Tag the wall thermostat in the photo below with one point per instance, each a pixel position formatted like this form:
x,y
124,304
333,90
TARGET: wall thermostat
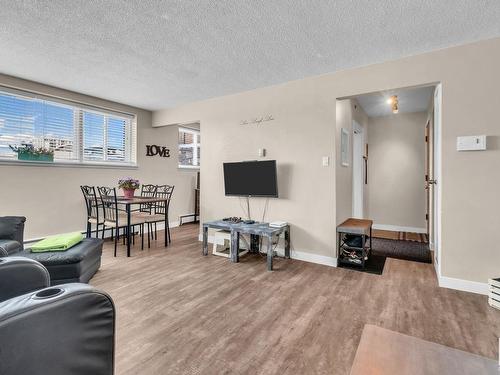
x,y
471,143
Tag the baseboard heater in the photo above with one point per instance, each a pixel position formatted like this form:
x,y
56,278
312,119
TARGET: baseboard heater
x,y
193,215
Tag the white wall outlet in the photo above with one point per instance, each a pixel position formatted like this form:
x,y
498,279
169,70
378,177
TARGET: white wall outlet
x,y
262,152
471,143
326,161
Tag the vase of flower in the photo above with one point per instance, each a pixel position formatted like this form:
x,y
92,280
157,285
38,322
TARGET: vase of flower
x,y
128,185
128,193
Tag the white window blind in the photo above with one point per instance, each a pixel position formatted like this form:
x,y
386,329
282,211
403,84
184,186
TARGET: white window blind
x,y
189,148
74,132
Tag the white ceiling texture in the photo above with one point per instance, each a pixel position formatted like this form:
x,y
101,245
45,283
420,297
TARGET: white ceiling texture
x,y
159,54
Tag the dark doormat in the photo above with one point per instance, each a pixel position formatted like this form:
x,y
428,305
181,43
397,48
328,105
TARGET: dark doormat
x,y
375,265
405,250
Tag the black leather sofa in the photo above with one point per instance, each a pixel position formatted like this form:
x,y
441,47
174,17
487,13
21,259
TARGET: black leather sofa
x,y
68,329
77,264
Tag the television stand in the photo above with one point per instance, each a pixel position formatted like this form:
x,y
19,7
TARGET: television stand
x,y
255,231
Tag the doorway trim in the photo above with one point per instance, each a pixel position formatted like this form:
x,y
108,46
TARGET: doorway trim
x,y
437,150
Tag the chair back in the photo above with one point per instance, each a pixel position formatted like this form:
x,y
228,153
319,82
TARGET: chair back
x,y
149,191
91,201
165,192
109,203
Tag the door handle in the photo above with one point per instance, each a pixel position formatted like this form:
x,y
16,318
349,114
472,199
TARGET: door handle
x,y
429,183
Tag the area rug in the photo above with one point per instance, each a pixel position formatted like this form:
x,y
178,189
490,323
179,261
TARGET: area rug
x,y
406,250
403,236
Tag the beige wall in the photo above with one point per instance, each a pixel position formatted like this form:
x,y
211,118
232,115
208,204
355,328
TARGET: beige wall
x,y
305,129
397,170
50,197
297,139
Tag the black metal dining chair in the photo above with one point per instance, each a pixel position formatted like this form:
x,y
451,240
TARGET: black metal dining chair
x,y
94,209
114,218
146,209
147,191
160,210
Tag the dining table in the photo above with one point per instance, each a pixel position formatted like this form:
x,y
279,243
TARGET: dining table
x,y
134,201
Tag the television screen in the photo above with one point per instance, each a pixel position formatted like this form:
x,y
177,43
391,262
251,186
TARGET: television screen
x,y
251,178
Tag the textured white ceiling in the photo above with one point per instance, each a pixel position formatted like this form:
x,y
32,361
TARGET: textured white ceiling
x,y
157,54
410,100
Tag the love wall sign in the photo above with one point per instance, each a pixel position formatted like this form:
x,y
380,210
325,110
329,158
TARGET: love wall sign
x,y
161,151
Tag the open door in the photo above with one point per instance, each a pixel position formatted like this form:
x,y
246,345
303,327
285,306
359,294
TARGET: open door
x,y
432,173
429,177
435,240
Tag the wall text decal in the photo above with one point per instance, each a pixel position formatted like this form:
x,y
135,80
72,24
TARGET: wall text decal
x,y
153,150
257,120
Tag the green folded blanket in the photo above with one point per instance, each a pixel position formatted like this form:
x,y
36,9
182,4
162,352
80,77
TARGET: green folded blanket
x,y
59,242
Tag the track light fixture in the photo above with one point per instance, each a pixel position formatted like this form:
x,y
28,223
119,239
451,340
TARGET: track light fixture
x,y
394,102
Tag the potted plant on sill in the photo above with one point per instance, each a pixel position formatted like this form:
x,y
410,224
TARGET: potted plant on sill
x,y
29,152
128,185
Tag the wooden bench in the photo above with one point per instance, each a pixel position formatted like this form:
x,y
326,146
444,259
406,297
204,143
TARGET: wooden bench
x,y
354,241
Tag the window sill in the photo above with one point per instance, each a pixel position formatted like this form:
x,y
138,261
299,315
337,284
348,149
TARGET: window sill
x,y
27,163
188,167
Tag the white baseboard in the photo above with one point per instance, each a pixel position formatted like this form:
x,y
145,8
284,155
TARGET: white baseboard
x,y
397,228
463,285
314,258
298,255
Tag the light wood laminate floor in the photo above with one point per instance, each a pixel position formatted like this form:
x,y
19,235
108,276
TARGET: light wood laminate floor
x,y
181,313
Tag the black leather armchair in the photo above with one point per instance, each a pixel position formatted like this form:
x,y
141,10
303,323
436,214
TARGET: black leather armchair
x,y
19,275
11,235
67,329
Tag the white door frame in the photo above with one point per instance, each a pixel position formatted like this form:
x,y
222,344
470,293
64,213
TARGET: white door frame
x,y
358,142
437,177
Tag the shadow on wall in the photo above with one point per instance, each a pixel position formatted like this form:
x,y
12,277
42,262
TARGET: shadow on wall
x,y
493,142
284,180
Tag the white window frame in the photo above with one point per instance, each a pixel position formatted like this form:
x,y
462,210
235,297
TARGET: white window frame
x,y
195,145
79,108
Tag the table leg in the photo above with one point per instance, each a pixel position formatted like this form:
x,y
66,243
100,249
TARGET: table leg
x,y
254,243
205,240
339,243
235,246
287,243
166,226
269,253
364,252
371,240
128,229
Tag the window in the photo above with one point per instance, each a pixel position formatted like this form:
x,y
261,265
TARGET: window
x,y
75,133
189,148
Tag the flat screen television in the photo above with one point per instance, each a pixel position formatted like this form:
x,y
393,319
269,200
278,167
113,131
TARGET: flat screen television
x,y
251,178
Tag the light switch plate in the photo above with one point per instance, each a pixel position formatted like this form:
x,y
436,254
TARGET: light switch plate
x,y
326,161
471,143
